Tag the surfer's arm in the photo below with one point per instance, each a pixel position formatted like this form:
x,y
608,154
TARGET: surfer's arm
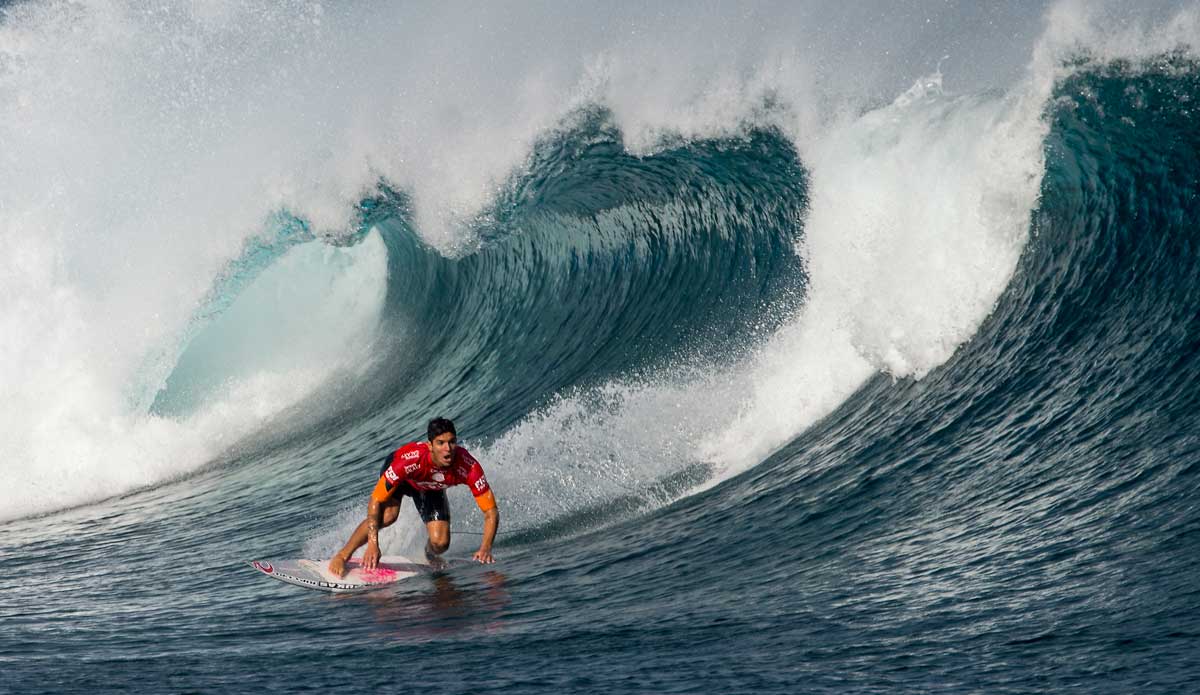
x,y
382,493
486,500
366,532
374,520
491,523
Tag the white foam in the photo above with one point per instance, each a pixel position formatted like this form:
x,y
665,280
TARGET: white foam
x,y
918,215
1114,31
309,317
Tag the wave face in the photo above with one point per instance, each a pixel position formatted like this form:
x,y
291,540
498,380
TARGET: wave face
x,y
598,263
1032,501
781,387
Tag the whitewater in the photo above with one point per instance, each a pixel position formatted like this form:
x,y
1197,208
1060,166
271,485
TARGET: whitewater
x,y
807,348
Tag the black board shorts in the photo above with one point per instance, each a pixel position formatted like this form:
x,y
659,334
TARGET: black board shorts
x,y
432,505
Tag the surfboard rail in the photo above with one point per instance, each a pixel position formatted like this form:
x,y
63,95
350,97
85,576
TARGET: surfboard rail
x,y
315,574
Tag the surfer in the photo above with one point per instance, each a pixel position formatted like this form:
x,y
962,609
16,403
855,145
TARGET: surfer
x,y
423,471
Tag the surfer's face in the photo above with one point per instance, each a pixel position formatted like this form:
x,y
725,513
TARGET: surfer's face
x,y
441,449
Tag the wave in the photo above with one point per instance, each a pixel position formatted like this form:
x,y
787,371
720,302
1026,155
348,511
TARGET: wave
x,y
1047,470
601,263
612,271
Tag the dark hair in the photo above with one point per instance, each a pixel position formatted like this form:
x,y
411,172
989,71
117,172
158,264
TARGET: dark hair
x,y
440,425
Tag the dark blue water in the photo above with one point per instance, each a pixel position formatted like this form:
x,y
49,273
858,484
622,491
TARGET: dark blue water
x,y
1024,518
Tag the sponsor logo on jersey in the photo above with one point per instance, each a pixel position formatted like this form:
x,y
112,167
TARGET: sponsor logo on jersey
x,y
481,483
391,475
410,455
412,467
439,477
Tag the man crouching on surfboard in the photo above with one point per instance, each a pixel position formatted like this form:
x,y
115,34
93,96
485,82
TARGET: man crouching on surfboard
x,y
423,471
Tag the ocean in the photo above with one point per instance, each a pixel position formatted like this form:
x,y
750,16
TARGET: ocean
x,y
808,348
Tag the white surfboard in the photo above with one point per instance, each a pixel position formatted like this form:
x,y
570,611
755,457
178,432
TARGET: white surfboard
x,y
315,574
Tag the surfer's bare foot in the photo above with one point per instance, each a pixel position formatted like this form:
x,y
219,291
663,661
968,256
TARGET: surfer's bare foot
x,y
338,565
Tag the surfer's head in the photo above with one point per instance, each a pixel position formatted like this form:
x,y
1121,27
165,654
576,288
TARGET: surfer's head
x,y
442,441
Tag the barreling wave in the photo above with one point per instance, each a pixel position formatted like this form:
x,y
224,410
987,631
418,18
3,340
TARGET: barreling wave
x,y
594,263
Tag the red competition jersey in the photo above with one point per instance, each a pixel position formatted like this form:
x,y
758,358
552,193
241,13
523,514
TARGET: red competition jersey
x,y
412,465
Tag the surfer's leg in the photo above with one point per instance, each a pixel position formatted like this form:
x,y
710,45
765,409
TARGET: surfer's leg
x,y
391,510
439,538
435,512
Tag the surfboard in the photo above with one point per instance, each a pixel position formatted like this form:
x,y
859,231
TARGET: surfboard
x,y
315,574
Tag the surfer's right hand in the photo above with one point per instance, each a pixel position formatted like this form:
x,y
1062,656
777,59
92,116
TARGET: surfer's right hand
x,y
338,565
371,556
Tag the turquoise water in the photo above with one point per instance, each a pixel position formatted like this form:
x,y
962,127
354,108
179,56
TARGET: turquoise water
x,y
1015,513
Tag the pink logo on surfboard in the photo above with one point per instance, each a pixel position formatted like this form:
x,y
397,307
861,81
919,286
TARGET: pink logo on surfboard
x,y
264,566
379,574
